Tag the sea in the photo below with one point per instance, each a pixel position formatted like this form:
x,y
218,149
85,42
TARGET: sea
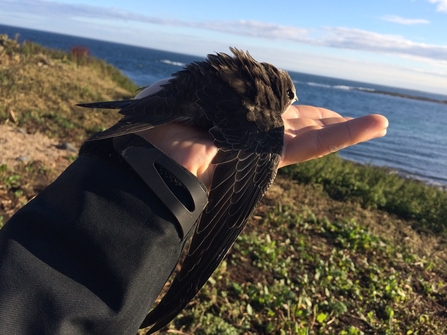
x,y
415,145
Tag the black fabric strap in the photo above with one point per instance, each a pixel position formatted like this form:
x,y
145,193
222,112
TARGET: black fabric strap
x,y
182,193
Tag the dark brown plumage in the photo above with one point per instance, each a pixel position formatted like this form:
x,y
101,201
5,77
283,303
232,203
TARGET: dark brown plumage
x,y
240,101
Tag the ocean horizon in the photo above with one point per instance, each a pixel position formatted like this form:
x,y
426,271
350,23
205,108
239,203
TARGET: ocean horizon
x,y
415,143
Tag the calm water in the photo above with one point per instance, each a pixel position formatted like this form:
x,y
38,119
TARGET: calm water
x,y
417,137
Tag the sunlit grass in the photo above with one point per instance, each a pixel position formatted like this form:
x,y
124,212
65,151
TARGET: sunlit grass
x,y
314,276
377,188
40,88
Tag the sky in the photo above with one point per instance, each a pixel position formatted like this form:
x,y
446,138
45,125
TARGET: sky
x,y
401,43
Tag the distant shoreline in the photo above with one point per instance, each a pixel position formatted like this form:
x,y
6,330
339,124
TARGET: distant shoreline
x,y
401,95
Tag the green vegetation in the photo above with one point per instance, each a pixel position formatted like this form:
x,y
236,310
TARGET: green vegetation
x,y
334,248
297,274
40,88
377,188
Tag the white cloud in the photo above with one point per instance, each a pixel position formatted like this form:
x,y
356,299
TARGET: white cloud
x,y
382,43
335,37
258,29
401,20
50,9
441,5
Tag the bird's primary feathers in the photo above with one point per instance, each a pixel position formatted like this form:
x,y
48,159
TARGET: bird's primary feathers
x,y
240,102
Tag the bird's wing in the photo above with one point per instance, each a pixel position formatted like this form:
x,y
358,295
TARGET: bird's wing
x,y
245,167
139,114
117,104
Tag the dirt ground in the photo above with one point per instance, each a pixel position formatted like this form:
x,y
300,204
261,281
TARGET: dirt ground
x,y
17,146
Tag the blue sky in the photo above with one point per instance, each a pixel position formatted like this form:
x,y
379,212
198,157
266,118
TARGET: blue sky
x,y
399,43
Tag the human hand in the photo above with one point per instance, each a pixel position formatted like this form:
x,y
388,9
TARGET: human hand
x,y
313,132
310,132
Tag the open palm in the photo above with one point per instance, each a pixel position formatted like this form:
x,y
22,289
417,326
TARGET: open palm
x,y
310,132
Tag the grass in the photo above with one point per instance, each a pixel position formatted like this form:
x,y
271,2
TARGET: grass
x,y
332,253
334,248
377,188
295,273
40,88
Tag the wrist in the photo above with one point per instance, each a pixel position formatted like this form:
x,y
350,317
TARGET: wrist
x,y
192,149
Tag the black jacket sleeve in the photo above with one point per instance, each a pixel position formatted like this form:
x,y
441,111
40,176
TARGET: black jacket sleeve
x,y
89,254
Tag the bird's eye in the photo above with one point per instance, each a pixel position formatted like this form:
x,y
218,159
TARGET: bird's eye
x,y
290,94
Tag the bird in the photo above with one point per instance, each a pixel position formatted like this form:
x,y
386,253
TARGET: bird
x,y
240,102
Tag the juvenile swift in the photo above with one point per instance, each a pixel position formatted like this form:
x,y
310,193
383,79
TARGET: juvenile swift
x,y
240,102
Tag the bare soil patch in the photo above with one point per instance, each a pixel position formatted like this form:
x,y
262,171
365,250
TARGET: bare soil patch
x,y
17,146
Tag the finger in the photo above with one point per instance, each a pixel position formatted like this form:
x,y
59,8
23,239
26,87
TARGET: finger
x,y
296,126
311,112
317,142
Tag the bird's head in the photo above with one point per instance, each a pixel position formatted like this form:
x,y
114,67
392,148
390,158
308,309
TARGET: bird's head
x,y
265,90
